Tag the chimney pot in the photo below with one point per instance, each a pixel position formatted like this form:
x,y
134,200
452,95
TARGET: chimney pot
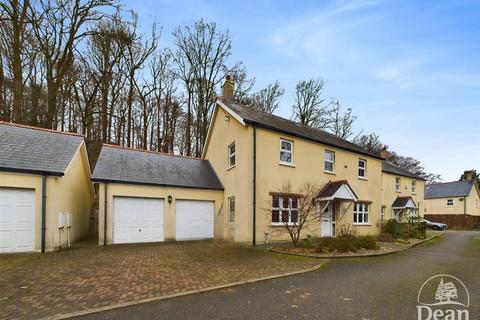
x,y
228,88
384,153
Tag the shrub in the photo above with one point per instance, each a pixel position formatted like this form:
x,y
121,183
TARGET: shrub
x,y
391,228
367,242
385,237
346,243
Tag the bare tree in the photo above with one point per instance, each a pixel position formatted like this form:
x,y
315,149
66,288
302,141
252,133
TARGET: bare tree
x,y
243,84
371,143
305,208
341,122
267,99
309,108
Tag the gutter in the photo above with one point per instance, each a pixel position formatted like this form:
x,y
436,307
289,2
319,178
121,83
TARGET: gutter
x,y
100,180
32,171
254,185
43,208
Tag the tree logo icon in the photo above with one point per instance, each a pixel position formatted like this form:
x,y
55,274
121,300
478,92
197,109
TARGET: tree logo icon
x,y
443,289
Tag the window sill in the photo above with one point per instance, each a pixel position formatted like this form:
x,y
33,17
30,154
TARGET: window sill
x,y
286,164
363,178
281,224
229,168
398,191
329,172
362,224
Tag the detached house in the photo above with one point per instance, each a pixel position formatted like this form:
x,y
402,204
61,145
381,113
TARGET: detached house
x,y
453,198
255,154
45,189
402,193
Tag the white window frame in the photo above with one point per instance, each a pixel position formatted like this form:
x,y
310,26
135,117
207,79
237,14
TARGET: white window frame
x,y
232,155
398,184
325,161
414,186
382,213
230,211
363,213
281,209
364,168
286,151
450,203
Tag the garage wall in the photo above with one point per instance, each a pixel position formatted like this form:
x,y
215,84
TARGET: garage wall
x,y
28,181
130,190
70,193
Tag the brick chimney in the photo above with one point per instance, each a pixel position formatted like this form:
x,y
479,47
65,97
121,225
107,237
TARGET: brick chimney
x,y
228,87
468,175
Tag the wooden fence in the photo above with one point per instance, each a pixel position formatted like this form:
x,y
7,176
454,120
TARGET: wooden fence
x,y
456,221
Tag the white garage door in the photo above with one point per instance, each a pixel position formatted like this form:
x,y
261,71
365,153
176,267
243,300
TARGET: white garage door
x,y
137,220
17,220
194,219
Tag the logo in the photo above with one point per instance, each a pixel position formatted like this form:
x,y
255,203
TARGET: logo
x,y
443,297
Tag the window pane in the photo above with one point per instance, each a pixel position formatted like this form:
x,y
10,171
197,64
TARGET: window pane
x,y
232,148
286,145
329,166
365,218
275,202
295,203
294,216
361,172
285,156
284,215
285,202
329,156
361,163
275,216
360,218
355,217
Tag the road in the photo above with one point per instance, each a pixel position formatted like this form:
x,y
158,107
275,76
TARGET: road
x,y
361,288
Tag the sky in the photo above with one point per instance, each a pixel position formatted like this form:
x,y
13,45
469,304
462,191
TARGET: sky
x,y
410,70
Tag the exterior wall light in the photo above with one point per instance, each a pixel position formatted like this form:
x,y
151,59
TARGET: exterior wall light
x,y
169,199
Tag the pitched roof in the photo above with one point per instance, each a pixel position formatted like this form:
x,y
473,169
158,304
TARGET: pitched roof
x,y
389,167
124,165
35,150
332,187
269,121
403,202
448,189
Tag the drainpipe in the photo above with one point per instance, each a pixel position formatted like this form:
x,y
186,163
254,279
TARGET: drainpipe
x,y
254,185
44,215
105,216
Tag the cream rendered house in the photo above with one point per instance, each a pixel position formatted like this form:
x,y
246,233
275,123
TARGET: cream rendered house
x,y
453,198
255,154
45,189
402,193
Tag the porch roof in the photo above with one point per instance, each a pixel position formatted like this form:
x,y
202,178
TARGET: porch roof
x,y
337,190
404,203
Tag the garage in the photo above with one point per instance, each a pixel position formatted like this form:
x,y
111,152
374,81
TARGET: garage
x,y
137,220
194,220
17,220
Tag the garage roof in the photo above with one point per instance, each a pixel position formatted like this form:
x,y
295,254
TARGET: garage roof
x,y
125,165
36,150
448,189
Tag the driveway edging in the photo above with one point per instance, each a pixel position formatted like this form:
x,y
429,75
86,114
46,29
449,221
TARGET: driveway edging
x,y
380,254
186,293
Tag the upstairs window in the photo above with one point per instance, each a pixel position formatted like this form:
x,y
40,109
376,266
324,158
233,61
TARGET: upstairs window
x,y
360,213
414,186
398,184
231,155
286,151
231,205
362,168
284,210
449,202
329,161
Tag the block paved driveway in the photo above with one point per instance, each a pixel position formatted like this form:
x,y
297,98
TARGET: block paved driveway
x,y
41,285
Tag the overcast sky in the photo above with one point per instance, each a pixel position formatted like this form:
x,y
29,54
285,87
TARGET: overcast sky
x,y
410,70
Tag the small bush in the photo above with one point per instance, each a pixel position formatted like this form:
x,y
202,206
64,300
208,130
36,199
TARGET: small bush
x,y
367,242
346,243
384,237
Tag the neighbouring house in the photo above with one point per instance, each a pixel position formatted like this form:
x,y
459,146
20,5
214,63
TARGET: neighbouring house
x,y
446,201
147,196
402,193
255,153
45,188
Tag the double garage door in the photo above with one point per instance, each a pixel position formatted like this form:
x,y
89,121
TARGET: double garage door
x,y
143,220
17,220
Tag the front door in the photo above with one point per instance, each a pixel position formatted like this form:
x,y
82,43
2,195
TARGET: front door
x,y
327,222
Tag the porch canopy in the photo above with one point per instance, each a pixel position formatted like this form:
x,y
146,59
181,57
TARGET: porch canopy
x,y
337,190
404,203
